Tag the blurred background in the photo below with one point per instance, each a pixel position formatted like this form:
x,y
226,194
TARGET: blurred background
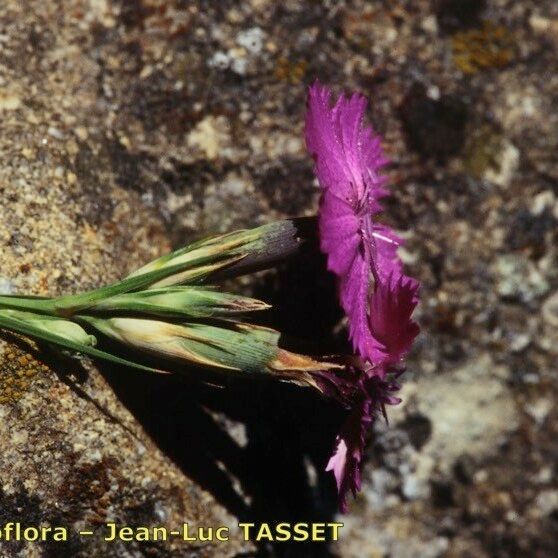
x,y
128,127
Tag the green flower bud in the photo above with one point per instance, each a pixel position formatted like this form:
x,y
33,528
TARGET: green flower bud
x,y
259,247
64,329
215,258
230,346
233,346
177,302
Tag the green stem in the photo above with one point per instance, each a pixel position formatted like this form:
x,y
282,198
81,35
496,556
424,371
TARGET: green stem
x,y
69,305
66,306
38,305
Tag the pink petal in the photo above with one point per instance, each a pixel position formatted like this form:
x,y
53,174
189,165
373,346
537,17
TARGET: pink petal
x,y
373,395
337,462
346,461
324,144
353,293
391,306
386,260
348,115
347,154
339,233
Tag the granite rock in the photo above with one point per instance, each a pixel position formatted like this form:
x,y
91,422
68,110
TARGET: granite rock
x,y
132,126
72,454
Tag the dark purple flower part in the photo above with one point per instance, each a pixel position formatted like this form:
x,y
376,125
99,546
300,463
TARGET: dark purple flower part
x,y
348,158
391,306
374,292
374,393
392,303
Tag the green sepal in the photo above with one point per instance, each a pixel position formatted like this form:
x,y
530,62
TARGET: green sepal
x,y
225,345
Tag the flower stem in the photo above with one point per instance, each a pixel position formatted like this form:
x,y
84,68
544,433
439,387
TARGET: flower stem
x,y
38,305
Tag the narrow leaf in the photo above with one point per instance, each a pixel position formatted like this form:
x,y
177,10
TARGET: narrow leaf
x,y
19,326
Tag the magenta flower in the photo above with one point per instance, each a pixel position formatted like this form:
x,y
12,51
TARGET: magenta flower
x,y
348,158
375,294
391,306
371,398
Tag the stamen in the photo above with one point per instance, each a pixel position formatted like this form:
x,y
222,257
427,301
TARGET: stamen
x,y
385,238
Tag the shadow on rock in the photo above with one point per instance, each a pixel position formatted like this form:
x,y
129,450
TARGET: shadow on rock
x,y
259,446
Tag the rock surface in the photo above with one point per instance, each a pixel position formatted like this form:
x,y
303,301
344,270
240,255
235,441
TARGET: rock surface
x,y
129,124
72,454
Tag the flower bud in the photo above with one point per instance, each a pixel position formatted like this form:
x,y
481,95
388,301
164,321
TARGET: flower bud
x,y
216,258
177,302
240,252
64,329
232,346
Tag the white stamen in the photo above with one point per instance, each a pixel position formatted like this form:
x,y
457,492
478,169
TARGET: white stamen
x,y
385,238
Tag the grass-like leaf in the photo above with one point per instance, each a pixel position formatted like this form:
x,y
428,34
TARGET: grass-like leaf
x,y
20,326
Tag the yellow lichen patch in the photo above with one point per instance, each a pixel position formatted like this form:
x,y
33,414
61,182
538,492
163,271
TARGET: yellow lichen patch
x,y
290,71
491,46
18,370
